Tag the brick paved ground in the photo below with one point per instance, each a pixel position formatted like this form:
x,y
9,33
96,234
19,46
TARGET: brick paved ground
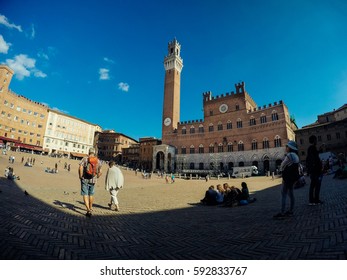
x,y
158,221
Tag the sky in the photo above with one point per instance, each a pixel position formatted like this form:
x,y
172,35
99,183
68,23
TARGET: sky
x,y
102,61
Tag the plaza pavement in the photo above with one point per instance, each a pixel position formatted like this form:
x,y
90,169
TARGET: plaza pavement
x,y
160,221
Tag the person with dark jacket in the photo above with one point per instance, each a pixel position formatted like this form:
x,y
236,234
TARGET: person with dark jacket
x,y
289,163
314,169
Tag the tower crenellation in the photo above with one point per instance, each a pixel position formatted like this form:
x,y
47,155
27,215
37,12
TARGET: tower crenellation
x,y
240,87
240,90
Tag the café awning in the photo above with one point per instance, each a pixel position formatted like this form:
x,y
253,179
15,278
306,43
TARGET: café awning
x,y
29,147
78,155
3,138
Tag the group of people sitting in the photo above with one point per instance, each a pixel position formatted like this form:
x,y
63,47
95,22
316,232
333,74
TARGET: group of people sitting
x,y
51,170
9,174
227,196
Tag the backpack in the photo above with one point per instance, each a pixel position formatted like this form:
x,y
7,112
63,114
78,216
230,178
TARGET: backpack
x,y
291,173
91,168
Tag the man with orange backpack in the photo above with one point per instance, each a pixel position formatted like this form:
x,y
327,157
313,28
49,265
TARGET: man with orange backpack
x,y
89,170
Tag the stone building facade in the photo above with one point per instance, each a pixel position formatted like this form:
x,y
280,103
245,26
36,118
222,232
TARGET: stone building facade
x,y
331,131
29,125
67,135
146,152
235,131
22,121
131,156
109,145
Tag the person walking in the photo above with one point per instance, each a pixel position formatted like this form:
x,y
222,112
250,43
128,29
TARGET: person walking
x,y
89,170
315,170
113,183
290,174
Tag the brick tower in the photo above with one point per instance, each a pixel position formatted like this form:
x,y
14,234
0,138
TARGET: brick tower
x,y
173,64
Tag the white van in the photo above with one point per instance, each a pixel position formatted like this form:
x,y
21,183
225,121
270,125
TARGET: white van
x,y
244,171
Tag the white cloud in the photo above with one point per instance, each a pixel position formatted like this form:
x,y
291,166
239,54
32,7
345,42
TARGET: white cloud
x,y
3,45
123,86
4,21
104,74
39,74
23,66
108,60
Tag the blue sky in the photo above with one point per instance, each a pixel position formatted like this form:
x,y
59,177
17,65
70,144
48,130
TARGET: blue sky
x,y
102,61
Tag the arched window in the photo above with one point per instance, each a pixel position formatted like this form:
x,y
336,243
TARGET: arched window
x,y
191,165
239,123
263,118
240,146
220,148
230,147
266,143
230,165
183,150
254,144
201,166
184,130
229,125
220,126
278,142
252,121
192,149
211,149
201,149
192,129
201,128
274,115
210,127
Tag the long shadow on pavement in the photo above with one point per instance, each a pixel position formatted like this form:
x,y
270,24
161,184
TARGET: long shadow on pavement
x,y
31,229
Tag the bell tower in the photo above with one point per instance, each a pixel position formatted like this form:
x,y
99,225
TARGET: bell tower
x,y
173,64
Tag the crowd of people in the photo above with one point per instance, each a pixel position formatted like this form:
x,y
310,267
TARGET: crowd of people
x,y
228,196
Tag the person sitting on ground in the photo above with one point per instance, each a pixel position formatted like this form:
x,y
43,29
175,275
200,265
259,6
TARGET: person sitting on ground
x,y
244,192
232,195
220,194
244,197
11,175
226,188
210,196
7,169
28,164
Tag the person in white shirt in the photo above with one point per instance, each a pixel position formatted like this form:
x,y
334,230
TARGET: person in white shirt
x,y
113,183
